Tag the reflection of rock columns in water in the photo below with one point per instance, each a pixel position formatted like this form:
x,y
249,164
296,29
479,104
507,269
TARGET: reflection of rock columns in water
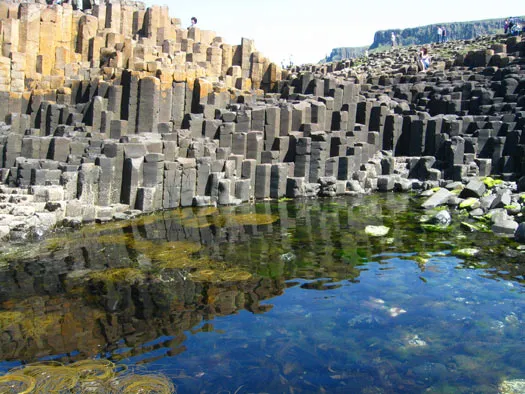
x,y
136,313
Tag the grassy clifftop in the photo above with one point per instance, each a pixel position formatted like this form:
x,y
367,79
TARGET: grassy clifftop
x,y
420,35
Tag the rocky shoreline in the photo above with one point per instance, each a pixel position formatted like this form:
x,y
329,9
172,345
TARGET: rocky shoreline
x,y
158,117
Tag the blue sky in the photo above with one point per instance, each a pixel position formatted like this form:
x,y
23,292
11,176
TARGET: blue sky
x,y
307,30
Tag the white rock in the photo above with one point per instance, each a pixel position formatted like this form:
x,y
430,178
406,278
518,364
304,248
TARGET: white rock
x,y
515,386
377,231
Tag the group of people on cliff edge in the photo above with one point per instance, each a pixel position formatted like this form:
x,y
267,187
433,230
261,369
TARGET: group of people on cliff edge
x,y
512,26
441,34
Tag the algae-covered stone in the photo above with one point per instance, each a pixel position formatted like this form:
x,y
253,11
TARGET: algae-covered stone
x,y
466,252
470,203
491,182
469,227
377,231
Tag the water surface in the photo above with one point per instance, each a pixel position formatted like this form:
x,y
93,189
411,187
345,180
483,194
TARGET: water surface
x,y
288,296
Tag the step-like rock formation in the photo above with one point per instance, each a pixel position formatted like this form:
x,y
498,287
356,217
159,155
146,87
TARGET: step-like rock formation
x,y
47,47
138,130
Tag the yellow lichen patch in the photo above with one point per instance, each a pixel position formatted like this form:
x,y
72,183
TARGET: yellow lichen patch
x,y
212,275
119,275
254,219
9,318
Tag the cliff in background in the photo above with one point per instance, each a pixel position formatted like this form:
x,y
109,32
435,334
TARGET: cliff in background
x,y
421,35
345,53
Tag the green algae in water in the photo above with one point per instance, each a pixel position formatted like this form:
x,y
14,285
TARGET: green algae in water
x,y
436,228
254,219
177,254
210,275
343,267
119,275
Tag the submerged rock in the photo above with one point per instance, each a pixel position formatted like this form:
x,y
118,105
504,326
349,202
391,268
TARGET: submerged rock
x,y
415,341
515,386
442,218
466,252
377,231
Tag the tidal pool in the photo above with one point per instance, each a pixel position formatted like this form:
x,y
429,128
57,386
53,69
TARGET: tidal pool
x,y
277,297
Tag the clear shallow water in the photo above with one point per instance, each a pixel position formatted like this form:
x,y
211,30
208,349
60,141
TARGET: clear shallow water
x,y
296,298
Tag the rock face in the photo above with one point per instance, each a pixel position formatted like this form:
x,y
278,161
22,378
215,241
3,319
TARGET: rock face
x,y
419,36
427,34
338,54
144,116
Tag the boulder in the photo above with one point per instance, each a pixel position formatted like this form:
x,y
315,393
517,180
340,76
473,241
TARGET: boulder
x,y
440,197
474,188
505,227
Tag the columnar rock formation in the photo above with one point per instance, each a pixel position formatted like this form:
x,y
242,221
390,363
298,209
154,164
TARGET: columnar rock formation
x,y
48,47
132,112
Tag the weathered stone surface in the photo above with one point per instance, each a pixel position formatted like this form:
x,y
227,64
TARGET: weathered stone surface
x,y
129,108
440,197
474,188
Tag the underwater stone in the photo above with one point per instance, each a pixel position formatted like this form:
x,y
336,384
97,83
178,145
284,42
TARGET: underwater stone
x,y
515,386
466,252
441,218
377,231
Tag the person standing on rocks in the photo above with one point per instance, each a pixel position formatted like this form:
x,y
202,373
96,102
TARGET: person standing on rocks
x,y
506,26
439,33
443,34
393,39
